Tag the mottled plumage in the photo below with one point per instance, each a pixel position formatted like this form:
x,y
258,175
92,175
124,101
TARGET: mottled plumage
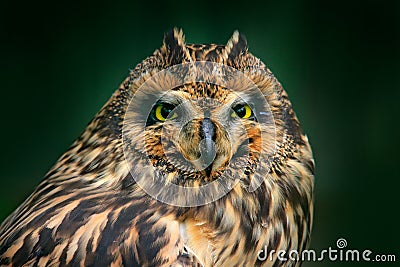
x,y
89,210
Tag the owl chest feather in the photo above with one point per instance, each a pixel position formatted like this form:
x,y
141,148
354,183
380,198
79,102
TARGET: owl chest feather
x,y
215,236
206,242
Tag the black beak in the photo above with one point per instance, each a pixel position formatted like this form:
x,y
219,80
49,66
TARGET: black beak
x,y
207,145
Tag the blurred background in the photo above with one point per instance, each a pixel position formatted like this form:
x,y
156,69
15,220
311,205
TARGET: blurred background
x,y
338,61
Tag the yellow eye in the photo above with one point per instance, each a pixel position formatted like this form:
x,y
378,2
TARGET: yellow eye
x,y
242,111
162,111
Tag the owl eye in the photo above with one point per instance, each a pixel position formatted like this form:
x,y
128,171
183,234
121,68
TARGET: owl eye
x,y
162,112
242,111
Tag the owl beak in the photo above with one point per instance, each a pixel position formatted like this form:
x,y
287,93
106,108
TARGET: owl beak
x,y
207,145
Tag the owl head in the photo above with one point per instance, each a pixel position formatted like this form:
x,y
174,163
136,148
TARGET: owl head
x,y
202,119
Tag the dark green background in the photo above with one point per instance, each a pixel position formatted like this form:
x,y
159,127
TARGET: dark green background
x,y
338,60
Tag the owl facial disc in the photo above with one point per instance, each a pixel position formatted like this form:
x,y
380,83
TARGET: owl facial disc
x,y
203,124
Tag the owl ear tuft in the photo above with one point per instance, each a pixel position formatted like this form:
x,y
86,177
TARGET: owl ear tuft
x,y
174,39
174,43
236,46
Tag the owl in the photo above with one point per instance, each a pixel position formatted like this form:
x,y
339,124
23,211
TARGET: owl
x,y
198,159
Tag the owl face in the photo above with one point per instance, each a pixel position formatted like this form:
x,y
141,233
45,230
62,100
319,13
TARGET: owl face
x,y
201,135
200,123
